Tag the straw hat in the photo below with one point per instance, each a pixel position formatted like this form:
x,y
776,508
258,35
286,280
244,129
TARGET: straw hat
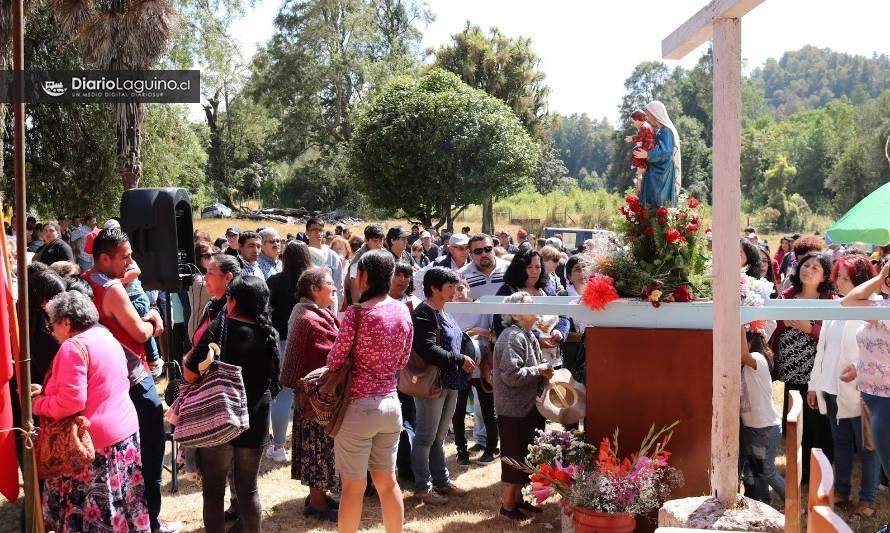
x,y
564,400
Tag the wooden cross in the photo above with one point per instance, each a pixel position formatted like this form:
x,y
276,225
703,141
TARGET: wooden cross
x,y
721,20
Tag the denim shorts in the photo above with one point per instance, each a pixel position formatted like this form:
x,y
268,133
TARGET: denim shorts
x,y
369,437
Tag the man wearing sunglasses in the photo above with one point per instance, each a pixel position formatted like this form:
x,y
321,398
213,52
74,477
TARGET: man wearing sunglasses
x,y
485,276
270,251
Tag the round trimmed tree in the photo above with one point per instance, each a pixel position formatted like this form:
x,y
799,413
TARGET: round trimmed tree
x,y
429,147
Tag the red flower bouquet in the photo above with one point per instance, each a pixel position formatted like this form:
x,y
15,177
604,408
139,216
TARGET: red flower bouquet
x,y
666,250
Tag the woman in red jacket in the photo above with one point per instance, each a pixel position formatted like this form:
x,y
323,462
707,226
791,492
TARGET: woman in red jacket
x,y
311,332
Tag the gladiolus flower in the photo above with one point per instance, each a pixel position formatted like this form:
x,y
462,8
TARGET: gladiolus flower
x,y
692,202
681,216
662,212
649,231
691,228
631,199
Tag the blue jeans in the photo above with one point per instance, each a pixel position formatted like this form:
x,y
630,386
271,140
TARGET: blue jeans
x,y
282,408
428,453
879,408
847,435
759,447
151,442
142,305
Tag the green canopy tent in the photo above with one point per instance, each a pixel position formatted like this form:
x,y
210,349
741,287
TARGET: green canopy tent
x,y
868,221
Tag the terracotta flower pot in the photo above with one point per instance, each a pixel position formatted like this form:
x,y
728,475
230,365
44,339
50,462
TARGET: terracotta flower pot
x,y
587,521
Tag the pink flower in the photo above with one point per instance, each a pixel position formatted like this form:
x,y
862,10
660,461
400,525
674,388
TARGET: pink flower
x,y
91,513
119,521
142,522
136,479
541,492
115,482
130,455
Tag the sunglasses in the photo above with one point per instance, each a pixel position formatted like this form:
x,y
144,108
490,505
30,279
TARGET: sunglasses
x,y
483,250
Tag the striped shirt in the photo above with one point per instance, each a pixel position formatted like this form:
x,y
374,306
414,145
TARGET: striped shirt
x,y
480,284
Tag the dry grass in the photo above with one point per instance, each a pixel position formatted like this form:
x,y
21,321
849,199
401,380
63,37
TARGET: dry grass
x,y
282,500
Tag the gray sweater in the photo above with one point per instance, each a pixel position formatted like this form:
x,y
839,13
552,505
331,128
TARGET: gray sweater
x,y
517,355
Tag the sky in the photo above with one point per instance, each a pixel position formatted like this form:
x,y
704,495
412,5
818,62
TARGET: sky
x,y
589,47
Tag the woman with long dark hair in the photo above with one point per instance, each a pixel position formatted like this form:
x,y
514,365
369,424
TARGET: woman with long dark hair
x,y
282,299
794,344
750,259
369,436
526,273
248,340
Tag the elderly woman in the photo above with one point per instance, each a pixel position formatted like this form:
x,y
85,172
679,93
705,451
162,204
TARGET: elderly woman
x,y
837,350
369,436
661,182
794,344
312,330
438,340
519,372
89,377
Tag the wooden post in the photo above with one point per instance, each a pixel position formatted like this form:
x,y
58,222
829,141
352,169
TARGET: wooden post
x,y
726,194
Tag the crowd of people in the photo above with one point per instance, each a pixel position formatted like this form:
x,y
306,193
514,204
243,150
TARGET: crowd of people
x,y
280,308
840,367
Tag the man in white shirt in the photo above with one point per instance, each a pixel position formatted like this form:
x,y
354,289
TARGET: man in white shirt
x,y
330,259
78,240
455,259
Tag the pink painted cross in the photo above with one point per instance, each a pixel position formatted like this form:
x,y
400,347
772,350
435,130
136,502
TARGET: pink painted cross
x,y
721,20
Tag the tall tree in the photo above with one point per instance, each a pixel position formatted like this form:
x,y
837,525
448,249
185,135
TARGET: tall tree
x,y
121,35
435,134
325,57
508,69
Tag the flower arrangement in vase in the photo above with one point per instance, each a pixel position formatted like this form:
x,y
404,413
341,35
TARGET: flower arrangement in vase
x,y
594,483
665,256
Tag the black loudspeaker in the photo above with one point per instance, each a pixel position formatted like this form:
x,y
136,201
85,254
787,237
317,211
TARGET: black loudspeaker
x,y
159,223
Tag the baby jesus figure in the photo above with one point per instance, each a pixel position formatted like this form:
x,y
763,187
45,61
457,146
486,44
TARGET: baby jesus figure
x,y
644,139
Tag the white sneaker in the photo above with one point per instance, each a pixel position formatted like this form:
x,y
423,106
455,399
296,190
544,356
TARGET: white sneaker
x,y
277,454
168,527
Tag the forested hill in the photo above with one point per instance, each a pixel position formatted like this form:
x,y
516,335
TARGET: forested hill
x,y
811,77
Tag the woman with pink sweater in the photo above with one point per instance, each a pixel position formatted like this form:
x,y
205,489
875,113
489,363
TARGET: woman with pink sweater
x,y
109,494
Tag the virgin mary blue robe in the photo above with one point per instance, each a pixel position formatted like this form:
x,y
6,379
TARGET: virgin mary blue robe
x,y
658,181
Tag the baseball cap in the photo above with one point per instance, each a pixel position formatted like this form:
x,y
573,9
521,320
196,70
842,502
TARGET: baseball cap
x,y
459,239
522,234
233,230
425,234
112,223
